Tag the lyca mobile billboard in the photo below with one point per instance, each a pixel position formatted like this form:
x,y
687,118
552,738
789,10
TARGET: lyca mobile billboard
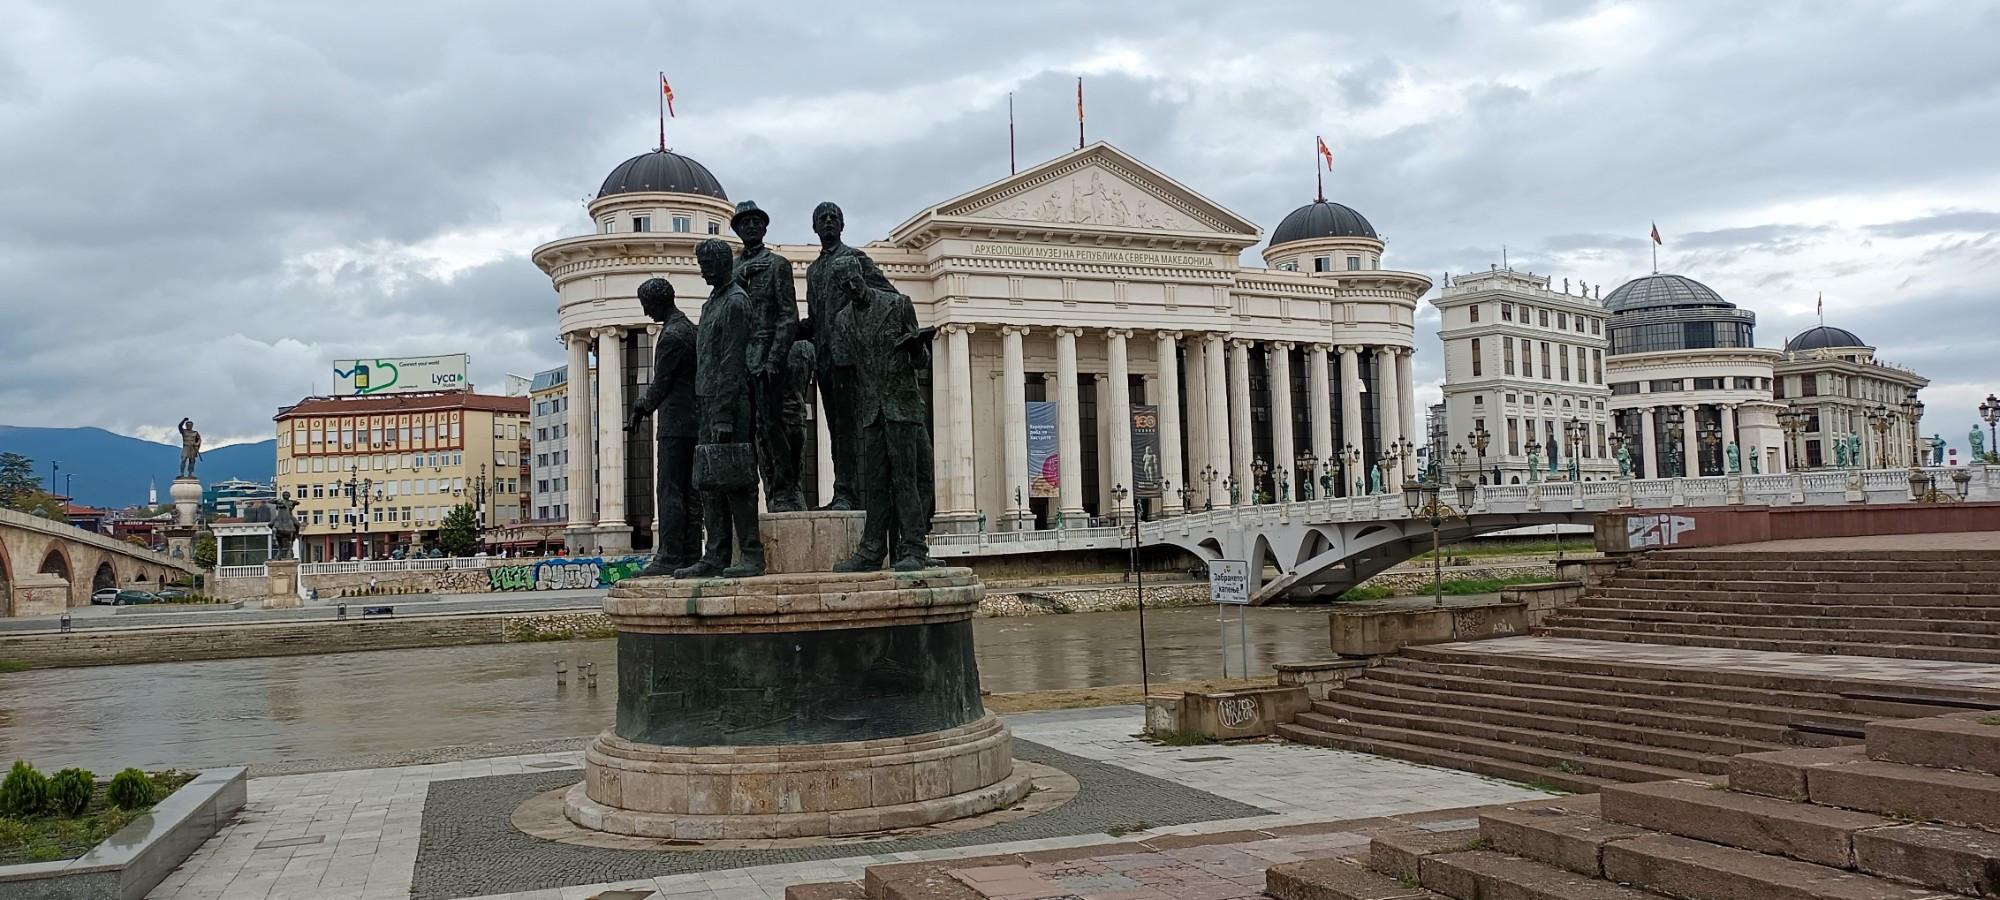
x,y
399,375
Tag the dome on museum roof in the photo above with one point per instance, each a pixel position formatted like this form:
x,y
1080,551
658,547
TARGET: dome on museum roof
x,y
1822,337
1657,290
661,170
1322,219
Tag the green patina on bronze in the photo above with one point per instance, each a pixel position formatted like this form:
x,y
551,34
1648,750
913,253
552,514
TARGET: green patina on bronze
x,y
851,684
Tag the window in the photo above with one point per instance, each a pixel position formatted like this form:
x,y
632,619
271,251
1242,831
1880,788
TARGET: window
x,y
1290,265
1506,312
1507,355
1478,399
1513,437
1746,384
1596,326
1353,263
1475,357
1562,352
1322,263
1545,318
1474,310
1562,321
1597,366
1808,385
1510,398
1581,359
714,227
1579,324
1708,384
1545,353
683,224
1671,384
642,223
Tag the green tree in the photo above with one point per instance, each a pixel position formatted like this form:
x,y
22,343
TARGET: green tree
x,y
17,478
36,502
459,533
204,550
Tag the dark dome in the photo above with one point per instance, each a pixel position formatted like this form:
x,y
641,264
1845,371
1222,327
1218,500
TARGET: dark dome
x,y
1824,336
1656,290
661,170
1321,219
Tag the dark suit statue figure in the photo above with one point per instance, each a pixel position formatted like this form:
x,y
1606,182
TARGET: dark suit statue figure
x,y
824,302
725,459
880,350
671,399
766,279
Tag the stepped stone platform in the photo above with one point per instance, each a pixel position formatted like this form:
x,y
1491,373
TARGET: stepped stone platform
x,y
1912,814
1686,659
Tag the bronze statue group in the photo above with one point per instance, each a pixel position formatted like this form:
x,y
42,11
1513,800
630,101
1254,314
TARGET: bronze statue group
x,y
729,400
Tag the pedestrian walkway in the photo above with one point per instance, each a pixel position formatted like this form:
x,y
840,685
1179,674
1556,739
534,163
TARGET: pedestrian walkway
x,y
356,834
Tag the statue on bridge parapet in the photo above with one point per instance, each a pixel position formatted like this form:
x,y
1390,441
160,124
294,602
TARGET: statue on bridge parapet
x,y
1937,450
190,448
1735,458
1854,451
1375,478
1978,441
1624,462
1753,461
1840,454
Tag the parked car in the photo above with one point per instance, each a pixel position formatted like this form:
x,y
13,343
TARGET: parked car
x,y
175,593
105,597
134,598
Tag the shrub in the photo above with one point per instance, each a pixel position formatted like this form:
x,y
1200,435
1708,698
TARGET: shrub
x,y
131,789
72,790
25,792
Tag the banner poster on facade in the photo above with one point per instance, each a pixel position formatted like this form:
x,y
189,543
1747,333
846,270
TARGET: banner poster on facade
x,y
1043,469
1145,450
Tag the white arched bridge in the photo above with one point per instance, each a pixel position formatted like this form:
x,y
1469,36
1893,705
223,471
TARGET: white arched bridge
x,y
1320,548
46,567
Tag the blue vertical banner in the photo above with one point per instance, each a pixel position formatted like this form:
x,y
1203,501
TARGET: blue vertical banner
x,y
1145,450
1044,468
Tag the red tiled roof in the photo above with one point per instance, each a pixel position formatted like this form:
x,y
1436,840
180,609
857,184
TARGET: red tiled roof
x,y
403,403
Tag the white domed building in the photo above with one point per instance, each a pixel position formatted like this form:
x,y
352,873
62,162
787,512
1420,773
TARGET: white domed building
x,y
1090,308
1838,389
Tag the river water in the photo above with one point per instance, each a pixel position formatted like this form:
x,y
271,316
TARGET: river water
x,y
277,709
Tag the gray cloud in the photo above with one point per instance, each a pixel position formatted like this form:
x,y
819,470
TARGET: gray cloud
x,y
209,203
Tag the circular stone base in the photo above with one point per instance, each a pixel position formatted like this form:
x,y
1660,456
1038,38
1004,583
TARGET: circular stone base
x,y
796,790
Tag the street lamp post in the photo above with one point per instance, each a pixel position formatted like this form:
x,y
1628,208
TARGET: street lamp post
x,y
1478,438
1711,437
1350,459
1794,423
1208,475
1304,466
1879,419
1423,502
1990,411
1259,468
361,494
1913,413
1534,448
1573,431
1118,495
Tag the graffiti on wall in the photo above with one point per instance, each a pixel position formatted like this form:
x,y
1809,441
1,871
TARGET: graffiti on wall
x,y
1656,531
564,573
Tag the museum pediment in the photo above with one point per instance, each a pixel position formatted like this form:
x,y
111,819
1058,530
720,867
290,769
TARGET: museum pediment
x,y
1099,188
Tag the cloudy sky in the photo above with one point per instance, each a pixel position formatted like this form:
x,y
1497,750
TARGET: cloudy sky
x,y
206,202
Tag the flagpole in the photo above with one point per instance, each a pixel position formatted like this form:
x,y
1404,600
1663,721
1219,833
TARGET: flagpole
x,y
1079,112
661,89
1010,133
1656,258
1319,177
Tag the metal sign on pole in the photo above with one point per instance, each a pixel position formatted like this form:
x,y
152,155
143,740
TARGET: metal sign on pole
x,y
1229,585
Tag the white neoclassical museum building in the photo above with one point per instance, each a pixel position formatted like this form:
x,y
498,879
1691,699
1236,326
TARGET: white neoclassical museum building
x,y
1089,308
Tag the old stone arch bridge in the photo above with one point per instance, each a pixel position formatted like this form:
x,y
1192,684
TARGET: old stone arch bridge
x,y
46,566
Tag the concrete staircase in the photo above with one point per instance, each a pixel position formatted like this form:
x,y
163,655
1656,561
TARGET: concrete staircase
x,y
1913,814
1937,604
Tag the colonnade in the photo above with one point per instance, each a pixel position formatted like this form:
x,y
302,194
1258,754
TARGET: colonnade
x,y
1652,438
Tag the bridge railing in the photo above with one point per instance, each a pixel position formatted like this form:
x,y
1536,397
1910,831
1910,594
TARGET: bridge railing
x,y
240,572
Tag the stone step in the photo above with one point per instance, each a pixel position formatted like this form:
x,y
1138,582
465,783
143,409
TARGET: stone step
x,y
1698,681
1487,875
1743,712
1970,591
1699,603
1696,870
1474,762
1335,879
1968,741
1577,618
1825,618
1558,753
1700,810
1567,833
1893,651
1846,778
1851,570
1961,860
1397,852
1804,556
1679,733
832,890
1730,592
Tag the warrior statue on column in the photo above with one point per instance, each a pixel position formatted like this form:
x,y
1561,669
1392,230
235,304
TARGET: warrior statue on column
x,y
190,448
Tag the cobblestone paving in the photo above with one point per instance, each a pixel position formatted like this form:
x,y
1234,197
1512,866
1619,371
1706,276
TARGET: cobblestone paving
x,y
372,820
470,847
1985,676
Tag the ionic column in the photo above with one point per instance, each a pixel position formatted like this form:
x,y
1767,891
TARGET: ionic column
x,y
1014,403
582,436
1196,461
1350,411
958,343
1651,446
1388,413
1241,449
1690,449
1729,437
1279,366
1119,413
1320,401
1407,393
610,425
1069,434
1169,400
1216,384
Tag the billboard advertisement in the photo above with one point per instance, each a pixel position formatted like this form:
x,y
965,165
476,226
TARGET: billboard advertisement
x,y
1044,474
1145,450
399,375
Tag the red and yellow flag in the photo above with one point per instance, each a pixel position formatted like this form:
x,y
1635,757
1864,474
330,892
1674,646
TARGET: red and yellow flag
x,y
1656,233
1324,153
667,92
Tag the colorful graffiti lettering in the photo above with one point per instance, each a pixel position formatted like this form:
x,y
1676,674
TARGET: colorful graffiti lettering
x,y
564,574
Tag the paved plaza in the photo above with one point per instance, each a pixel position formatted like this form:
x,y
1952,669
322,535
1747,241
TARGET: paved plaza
x,y
420,831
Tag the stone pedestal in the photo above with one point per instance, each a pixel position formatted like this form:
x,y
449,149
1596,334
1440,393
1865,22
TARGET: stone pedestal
x,y
795,705
809,541
40,594
284,592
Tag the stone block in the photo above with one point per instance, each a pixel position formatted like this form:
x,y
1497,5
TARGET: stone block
x,y
850,789
933,779
1564,839
1320,677
1335,879
1679,867
1941,795
805,542
1782,773
1959,741
1960,860
1767,825
708,795
1397,853
1239,714
1485,874
1381,632
38,595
